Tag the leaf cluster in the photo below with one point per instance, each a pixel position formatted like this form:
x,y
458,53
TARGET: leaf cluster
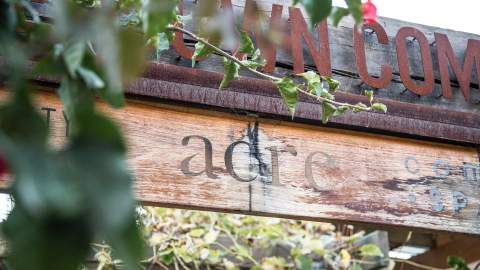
x,y
182,239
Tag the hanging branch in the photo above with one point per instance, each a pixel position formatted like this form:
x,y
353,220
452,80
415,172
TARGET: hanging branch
x,y
286,86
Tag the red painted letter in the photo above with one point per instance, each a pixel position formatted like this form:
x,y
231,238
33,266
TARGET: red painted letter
x,y
386,70
321,57
426,87
464,75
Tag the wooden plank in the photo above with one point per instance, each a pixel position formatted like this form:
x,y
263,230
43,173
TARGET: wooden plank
x,y
342,56
426,116
320,174
200,87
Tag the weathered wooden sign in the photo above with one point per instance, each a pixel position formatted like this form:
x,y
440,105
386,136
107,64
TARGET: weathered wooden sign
x,y
198,159
427,76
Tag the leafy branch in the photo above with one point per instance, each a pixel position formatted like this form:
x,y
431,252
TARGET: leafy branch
x,y
287,87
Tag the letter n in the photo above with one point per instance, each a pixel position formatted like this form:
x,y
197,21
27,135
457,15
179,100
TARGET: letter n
x,y
299,29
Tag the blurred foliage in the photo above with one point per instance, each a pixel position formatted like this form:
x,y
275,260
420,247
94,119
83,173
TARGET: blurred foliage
x,y
183,239
69,197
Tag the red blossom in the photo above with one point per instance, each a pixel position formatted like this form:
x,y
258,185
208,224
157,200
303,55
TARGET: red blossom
x,y
369,12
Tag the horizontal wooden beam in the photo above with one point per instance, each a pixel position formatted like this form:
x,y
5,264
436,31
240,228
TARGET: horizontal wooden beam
x,y
431,116
191,158
195,86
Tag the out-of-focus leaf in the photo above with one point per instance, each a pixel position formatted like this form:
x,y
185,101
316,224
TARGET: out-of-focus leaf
x,y
457,262
73,56
157,15
131,53
91,79
196,233
305,262
337,14
345,259
230,72
289,92
355,8
317,10
163,41
355,266
370,250
211,236
47,66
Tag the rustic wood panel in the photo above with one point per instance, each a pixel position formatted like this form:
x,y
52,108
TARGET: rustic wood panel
x,y
259,96
321,173
343,57
430,116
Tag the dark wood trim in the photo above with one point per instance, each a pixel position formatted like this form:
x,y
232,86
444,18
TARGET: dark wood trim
x,y
196,87
176,83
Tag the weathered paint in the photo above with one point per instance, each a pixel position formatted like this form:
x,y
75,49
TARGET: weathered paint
x,y
199,159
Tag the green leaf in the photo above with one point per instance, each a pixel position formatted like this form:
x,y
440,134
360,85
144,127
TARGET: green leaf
x,y
337,14
322,92
131,54
246,44
253,64
256,55
328,110
379,107
332,84
355,266
157,15
242,251
313,82
289,92
361,105
310,76
200,50
196,233
457,262
48,66
369,94
230,72
91,79
163,41
355,8
211,236
318,10
341,110
370,250
306,263
73,56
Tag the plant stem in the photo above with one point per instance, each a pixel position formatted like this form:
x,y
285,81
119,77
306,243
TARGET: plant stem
x,y
258,73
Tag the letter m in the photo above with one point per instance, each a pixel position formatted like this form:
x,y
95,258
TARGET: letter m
x,y
446,55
